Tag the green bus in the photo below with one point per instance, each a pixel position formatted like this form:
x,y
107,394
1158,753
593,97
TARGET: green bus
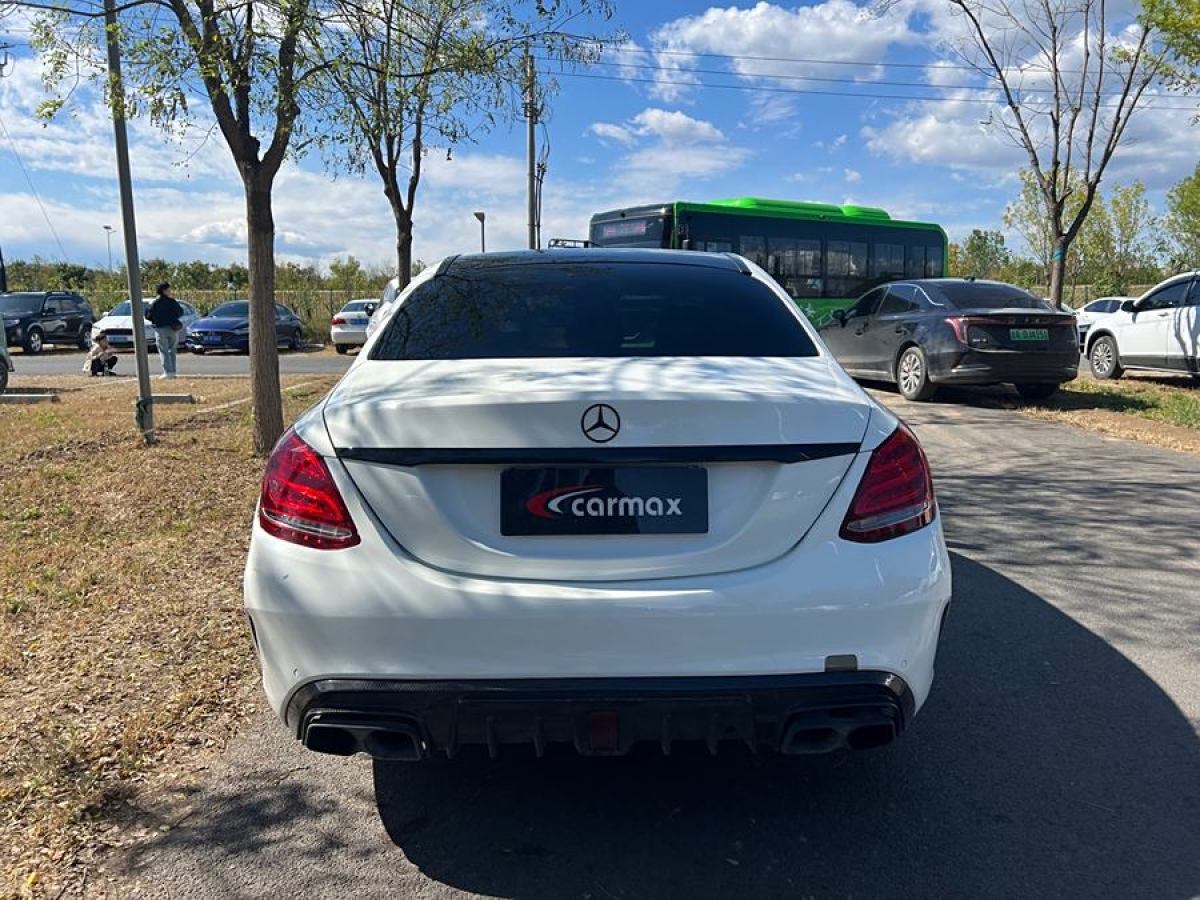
x,y
824,256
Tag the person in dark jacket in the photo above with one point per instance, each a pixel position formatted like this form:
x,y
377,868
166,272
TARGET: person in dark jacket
x,y
166,315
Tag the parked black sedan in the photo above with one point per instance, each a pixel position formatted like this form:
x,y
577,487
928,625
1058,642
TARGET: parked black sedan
x,y
228,328
924,333
33,319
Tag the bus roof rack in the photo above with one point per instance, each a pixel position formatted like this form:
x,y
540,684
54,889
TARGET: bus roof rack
x,y
568,242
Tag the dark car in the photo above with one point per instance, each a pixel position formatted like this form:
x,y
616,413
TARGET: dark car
x,y
228,328
924,333
33,319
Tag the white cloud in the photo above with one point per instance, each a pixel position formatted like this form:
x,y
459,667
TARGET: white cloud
x,y
607,131
667,146
836,30
852,176
675,127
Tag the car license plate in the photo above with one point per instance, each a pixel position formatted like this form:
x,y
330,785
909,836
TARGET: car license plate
x,y
633,500
1029,334
212,339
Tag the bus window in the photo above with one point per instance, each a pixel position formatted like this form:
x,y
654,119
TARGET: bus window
x,y
845,268
887,261
914,262
754,248
796,265
934,267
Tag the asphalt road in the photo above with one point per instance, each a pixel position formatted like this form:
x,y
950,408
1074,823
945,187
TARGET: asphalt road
x,y
69,362
1057,756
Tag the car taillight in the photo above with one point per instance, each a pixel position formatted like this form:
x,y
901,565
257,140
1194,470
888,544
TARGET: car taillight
x,y
959,324
895,495
299,501
337,320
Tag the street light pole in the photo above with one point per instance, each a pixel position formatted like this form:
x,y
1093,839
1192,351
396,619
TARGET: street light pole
x,y
482,231
108,230
144,416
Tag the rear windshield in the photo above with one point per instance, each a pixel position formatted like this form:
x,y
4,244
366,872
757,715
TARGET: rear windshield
x,y
990,296
599,310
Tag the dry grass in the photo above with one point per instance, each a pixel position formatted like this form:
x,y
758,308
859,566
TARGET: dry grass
x,y
1163,411
123,651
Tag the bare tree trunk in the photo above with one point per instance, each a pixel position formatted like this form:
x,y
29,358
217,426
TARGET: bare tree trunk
x,y
266,401
404,247
1058,264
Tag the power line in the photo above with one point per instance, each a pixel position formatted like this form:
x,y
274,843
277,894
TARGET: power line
x,y
830,80
867,95
12,146
811,60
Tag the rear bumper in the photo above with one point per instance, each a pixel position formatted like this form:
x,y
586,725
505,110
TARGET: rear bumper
x,y
348,335
413,720
1004,366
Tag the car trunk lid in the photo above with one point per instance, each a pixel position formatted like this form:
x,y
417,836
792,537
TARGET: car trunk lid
x,y
448,454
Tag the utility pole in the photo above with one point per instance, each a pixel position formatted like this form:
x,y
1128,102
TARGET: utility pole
x,y
144,415
108,230
482,217
531,118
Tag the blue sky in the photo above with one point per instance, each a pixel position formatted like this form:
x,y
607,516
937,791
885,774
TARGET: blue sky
x,y
614,140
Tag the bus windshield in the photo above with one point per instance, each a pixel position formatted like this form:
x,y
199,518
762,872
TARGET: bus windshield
x,y
639,231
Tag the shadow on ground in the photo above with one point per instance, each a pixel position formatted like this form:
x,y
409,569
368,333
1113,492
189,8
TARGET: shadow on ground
x,y
1045,763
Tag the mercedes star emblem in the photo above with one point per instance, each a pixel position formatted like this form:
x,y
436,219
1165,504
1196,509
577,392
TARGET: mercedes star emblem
x,y
600,423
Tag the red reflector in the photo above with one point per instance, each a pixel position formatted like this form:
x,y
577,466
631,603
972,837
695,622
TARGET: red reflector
x,y
604,731
300,502
895,495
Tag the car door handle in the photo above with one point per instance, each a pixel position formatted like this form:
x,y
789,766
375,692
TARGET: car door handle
x,y
860,330
900,329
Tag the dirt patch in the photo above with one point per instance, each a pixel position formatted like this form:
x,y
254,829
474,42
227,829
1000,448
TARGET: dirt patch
x,y
123,650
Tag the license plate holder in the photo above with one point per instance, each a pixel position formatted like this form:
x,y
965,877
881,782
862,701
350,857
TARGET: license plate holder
x,y
550,501
212,339
1029,334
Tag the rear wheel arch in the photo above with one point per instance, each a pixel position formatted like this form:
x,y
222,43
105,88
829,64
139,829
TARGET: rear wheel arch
x,y
908,342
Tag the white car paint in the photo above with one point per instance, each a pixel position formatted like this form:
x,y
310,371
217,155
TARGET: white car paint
x,y
1090,313
1161,332
352,330
432,590
110,323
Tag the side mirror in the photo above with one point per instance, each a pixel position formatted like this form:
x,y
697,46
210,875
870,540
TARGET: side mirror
x,y
839,316
369,309
1129,306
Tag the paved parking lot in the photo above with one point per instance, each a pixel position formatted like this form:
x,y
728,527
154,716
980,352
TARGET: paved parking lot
x,y
1058,754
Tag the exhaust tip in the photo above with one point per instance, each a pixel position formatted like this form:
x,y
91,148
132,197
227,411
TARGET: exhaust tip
x,y
330,739
800,740
401,744
869,736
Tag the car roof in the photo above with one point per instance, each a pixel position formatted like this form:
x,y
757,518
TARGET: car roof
x,y
592,255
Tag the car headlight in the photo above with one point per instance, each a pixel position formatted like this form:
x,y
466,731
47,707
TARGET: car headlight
x,y
9,323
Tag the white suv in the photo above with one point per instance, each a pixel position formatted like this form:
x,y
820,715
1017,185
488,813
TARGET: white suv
x,y
1159,330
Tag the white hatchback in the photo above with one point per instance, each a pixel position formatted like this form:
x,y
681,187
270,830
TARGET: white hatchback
x,y
596,498
1159,330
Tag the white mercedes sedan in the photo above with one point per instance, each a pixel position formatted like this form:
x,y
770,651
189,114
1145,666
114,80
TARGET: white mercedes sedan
x,y
596,498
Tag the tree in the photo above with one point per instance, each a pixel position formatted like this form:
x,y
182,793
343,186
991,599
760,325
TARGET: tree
x,y
247,58
1178,22
1183,221
1094,83
404,76
982,254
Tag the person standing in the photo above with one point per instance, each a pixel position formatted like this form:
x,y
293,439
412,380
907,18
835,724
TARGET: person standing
x,y
166,315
